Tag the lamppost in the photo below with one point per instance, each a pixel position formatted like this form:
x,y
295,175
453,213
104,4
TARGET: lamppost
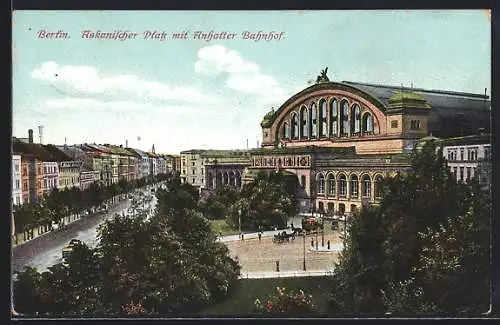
x,y
304,251
239,220
322,227
317,228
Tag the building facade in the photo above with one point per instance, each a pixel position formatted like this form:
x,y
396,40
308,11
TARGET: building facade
x,y
192,168
468,156
51,176
17,192
338,140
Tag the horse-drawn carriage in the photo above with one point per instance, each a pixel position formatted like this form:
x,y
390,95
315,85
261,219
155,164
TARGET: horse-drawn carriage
x,y
283,237
311,224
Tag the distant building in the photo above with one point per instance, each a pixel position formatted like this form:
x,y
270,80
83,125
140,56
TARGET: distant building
x,y
469,157
208,169
17,194
69,169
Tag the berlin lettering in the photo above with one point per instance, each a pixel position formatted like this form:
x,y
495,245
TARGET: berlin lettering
x,y
122,35
42,33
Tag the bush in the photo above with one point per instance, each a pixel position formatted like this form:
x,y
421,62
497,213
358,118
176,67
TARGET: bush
x,y
286,302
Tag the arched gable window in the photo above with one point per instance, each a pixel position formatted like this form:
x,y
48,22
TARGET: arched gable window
x,y
286,131
344,118
303,123
354,186
355,118
303,181
314,121
342,185
334,118
377,186
321,184
367,186
331,186
367,123
295,126
323,115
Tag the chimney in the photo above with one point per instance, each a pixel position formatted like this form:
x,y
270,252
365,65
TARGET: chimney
x,y
30,136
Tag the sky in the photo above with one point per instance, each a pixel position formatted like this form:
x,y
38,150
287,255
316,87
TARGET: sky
x,y
182,94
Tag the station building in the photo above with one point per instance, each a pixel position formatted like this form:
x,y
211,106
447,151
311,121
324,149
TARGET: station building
x,y
338,140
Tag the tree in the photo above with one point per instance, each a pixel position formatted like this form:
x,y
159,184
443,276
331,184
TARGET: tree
x,y
169,264
286,303
265,202
413,253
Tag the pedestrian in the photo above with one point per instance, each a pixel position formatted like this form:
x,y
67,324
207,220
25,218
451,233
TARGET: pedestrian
x,y
242,238
260,235
312,242
328,244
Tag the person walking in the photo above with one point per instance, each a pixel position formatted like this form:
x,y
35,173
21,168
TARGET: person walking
x,y
260,235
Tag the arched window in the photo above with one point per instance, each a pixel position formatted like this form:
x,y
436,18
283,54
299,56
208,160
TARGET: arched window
x,y
331,208
303,123
334,118
355,118
342,185
323,114
331,186
220,179
321,184
344,118
367,186
232,179
238,180
367,123
377,186
295,126
286,131
226,178
314,121
354,186
321,207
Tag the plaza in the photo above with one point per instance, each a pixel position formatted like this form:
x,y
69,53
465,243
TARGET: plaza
x,y
261,256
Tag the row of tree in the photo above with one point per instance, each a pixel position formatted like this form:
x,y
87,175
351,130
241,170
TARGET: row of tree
x,y
167,265
73,201
425,250
266,202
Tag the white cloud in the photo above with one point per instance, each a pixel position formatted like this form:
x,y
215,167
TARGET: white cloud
x,y
89,80
243,76
89,104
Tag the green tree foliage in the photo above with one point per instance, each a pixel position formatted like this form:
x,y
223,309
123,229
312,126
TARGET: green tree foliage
x,y
170,264
268,201
218,205
60,203
417,252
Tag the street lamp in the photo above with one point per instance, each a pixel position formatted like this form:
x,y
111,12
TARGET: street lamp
x,y
239,220
322,227
314,210
304,251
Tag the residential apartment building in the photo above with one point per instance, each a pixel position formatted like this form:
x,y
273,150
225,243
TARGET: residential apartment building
x,y
153,164
17,194
161,164
38,161
25,179
468,157
69,169
87,175
142,162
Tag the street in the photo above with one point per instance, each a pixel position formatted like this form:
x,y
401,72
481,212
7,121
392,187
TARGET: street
x,y
46,250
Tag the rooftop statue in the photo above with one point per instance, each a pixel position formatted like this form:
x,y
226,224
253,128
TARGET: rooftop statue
x,y
323,77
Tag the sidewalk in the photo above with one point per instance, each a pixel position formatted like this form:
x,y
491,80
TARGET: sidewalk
x,y
284,274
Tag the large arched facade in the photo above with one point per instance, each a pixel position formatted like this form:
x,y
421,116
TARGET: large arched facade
x,y
340,142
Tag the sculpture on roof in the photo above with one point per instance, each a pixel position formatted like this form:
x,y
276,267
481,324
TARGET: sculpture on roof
x,y
323,77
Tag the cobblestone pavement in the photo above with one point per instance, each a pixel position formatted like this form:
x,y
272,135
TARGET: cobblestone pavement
x,y
261,256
